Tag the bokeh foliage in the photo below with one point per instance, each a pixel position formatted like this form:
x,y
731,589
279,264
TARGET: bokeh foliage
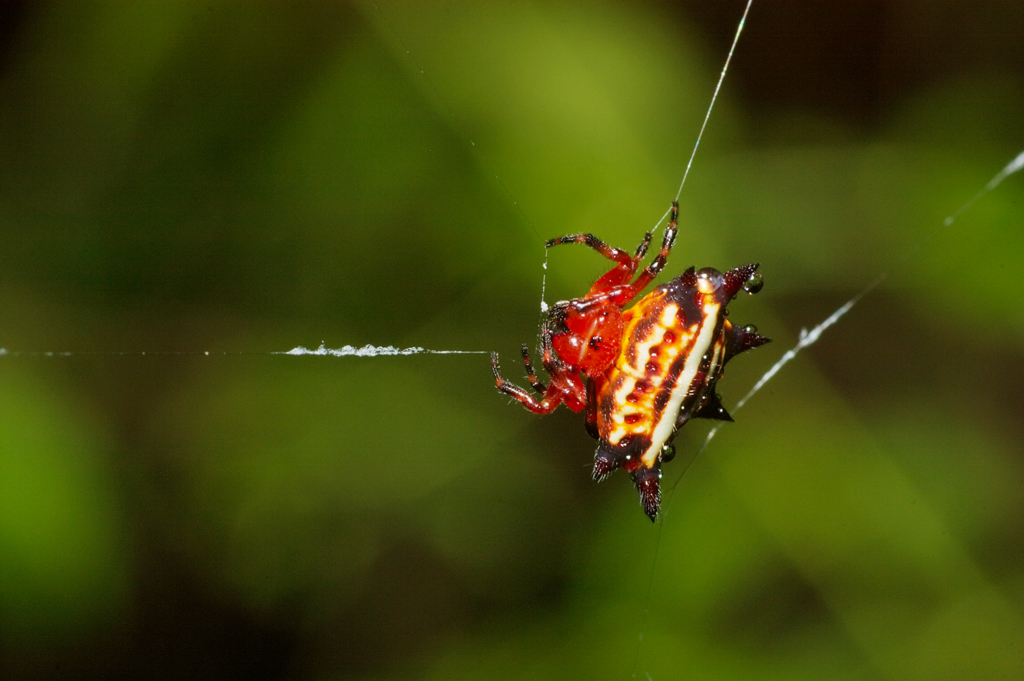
x,y
244,178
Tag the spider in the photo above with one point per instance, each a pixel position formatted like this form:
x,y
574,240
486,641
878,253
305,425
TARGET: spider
x,y
648,369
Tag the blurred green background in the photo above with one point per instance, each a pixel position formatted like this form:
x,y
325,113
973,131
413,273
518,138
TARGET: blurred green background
x,y
245,178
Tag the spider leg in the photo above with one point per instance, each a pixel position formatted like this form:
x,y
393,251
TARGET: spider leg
x,y
652,270
552,397
617,254
564,378
551,362
530,374
619,293
641,250
620,274
565,385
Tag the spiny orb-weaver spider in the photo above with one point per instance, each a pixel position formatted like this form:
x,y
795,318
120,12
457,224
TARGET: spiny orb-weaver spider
x,y
648,369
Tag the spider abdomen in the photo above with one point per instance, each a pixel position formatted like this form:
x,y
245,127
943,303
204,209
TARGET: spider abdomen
x,y
675,343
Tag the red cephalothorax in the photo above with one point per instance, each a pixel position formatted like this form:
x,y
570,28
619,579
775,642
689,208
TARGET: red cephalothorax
x,y
648,369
